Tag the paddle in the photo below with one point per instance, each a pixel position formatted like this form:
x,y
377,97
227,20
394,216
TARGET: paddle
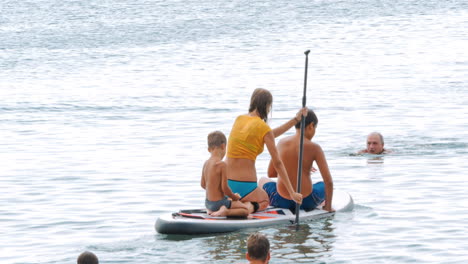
x,y
301,146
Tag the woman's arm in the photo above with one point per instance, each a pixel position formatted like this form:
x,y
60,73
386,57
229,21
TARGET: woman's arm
x,y
286,126
279,167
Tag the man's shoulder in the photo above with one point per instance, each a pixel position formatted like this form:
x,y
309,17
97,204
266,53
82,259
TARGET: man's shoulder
x,y
312,145
284,141
362,151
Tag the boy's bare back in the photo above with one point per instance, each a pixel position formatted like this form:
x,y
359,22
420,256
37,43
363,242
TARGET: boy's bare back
x,y
212,175
214,181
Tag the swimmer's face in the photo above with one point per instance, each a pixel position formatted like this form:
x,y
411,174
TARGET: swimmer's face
x,y
374,144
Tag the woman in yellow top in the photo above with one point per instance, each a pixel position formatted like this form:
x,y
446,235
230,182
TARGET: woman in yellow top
x,y
248,136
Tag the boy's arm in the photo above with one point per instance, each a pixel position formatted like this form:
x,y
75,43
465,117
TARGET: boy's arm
x,y
327,178
226,190
203,181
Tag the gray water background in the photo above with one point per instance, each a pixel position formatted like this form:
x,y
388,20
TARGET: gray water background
x,y
105,107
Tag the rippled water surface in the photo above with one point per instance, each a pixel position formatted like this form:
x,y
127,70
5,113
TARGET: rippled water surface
x,y
105,107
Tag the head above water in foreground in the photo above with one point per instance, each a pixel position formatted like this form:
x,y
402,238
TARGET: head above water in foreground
x,y
258,248
87,258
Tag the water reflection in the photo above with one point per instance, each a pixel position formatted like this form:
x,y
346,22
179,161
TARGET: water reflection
x,y
375,159
309,242
230,246
371,158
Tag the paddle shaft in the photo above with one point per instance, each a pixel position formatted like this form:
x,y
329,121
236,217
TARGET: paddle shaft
x,y
301,145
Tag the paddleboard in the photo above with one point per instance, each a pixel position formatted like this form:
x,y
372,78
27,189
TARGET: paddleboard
x,y
197,221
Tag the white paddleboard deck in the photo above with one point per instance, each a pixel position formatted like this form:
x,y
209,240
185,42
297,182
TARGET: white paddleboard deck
x,y
199,222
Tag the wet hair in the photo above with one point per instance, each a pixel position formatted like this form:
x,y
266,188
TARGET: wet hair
x,y
380,136
87,258
261,101
216,139
258,246
310,118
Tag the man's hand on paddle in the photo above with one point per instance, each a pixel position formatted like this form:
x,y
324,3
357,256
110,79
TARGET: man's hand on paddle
x,y
297,197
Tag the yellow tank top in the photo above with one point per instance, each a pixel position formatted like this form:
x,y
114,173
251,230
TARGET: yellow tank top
x,y
246,137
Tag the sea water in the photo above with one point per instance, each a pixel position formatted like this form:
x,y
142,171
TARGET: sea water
x,y
105,107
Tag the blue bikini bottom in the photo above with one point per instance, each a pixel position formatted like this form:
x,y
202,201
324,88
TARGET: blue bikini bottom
x,y
243,188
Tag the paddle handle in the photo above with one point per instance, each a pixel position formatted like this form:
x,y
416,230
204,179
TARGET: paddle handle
x,y
301,145
304,99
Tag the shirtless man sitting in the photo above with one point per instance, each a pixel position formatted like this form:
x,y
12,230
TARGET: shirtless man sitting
x,y
288,147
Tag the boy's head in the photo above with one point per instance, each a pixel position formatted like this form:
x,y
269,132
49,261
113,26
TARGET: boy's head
x,y
311,118
258,248
87,258
216,139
